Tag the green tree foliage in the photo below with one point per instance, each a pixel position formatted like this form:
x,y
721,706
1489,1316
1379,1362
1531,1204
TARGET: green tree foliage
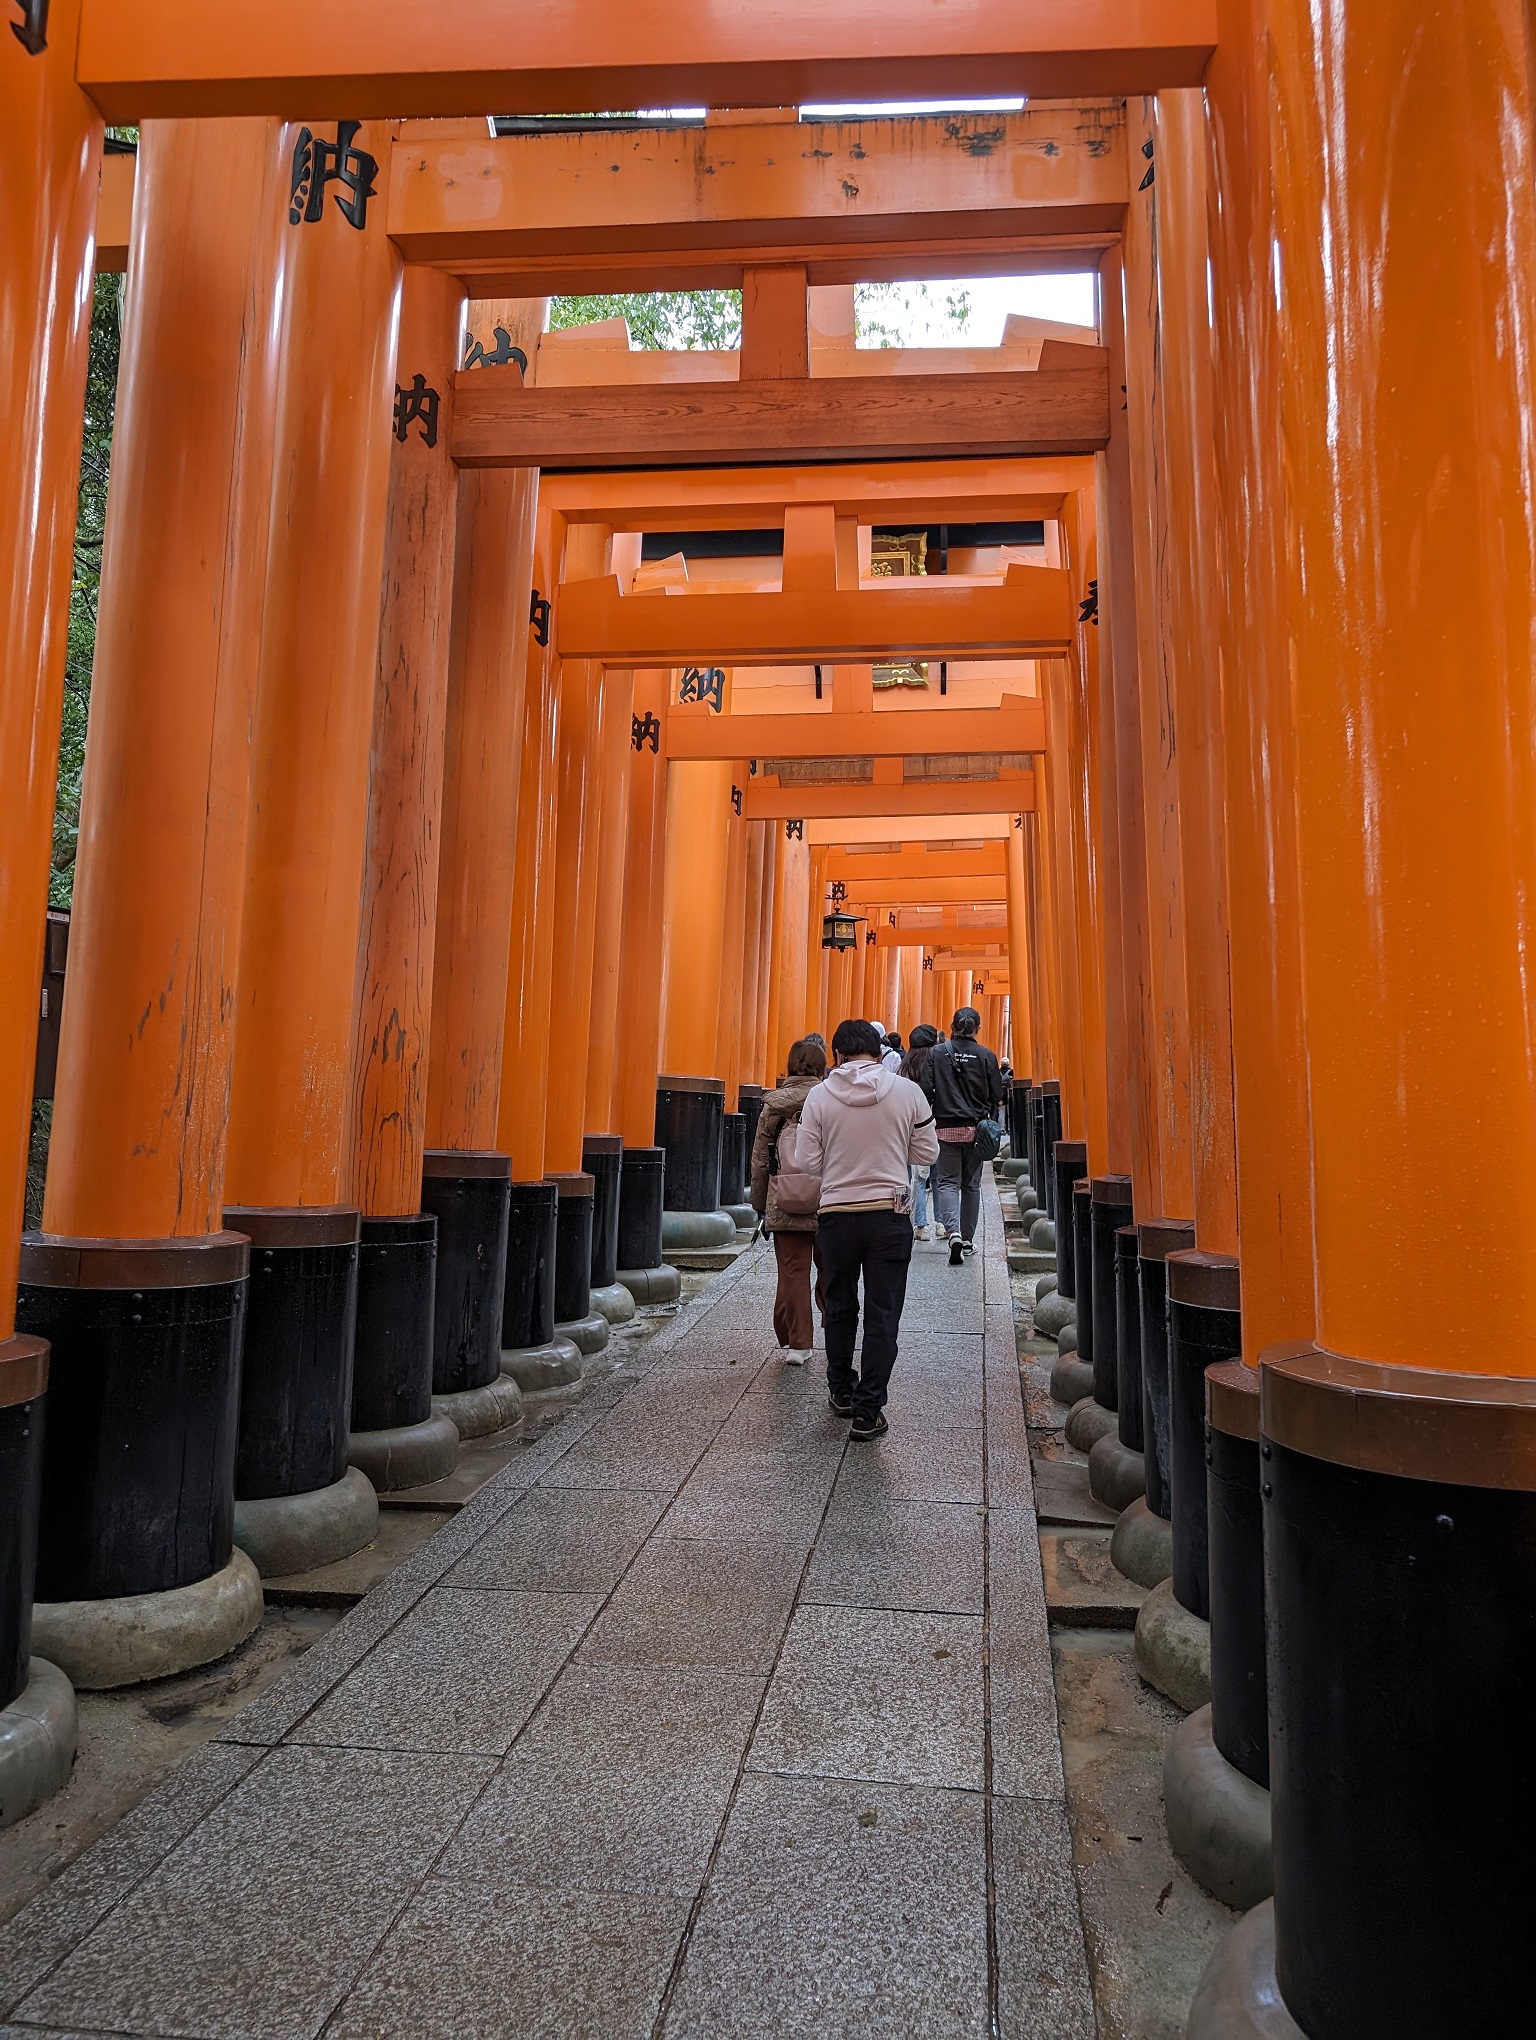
x,y
85,591
663,318
898,314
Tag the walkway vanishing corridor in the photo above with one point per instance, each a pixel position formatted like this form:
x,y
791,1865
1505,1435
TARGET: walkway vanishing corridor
x,y
698,1721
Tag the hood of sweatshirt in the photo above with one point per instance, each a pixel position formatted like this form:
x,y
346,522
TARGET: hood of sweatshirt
x,y
859,1083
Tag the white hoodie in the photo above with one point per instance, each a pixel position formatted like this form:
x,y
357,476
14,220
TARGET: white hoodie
x,y
861,1131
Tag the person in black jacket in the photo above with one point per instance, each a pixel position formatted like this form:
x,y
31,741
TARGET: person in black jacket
x,y
964,1085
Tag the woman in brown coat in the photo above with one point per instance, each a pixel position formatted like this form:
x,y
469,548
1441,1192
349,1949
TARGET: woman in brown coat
x,y
793,1233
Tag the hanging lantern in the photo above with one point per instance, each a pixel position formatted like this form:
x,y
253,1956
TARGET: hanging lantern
x,y
840,931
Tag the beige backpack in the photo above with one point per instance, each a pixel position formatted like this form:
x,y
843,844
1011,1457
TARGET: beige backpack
x,y
796,1193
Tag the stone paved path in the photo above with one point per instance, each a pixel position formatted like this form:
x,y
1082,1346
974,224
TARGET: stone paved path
x,y
699,1722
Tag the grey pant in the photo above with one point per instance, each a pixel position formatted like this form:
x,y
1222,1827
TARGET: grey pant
x,y
957,1188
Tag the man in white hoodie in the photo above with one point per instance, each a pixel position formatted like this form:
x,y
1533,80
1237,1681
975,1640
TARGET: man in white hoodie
x,y
862,1131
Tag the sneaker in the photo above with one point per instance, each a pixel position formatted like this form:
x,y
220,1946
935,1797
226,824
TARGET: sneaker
x,y
956,1257
921,1232
966,1247
867,1428
795,1356
939,1233
838,1407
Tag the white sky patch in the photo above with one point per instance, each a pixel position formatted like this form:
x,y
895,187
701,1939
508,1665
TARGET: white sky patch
x,y
869,109
919,315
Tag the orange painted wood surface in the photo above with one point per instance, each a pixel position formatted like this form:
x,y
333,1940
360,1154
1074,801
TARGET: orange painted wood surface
x,y
396,938
638,1049
1017,726
768,801
291,1138
50,160
142,1094
359,58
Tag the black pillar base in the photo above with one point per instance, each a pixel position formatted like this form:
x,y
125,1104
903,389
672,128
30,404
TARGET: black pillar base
x,y
733,1159
296,1375
1069,1159
1157,1238
470,1196
1235,1523
690,1124
23,1405
1050,1133
573,1246
1204,1325
528,1301
1019,1139
642,1189
143,1402
1081,1221
396,1299
749,1103
1128,1339
602,1158
1109,1210
1400,1553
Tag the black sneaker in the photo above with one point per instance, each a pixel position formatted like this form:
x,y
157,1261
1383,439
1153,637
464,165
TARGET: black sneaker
x,y
966,1247
956,1254
838,1407
867,1428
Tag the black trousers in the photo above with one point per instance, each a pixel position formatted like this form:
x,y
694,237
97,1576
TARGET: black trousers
x,y
878,1246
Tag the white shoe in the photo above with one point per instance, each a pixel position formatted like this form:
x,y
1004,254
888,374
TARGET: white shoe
x,y
796,1356
921,1232
940,1233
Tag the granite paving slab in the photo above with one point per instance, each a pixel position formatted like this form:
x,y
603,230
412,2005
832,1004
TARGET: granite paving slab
x,y
696,1721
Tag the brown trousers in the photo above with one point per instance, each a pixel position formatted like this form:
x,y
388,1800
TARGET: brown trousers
x,y
793,1324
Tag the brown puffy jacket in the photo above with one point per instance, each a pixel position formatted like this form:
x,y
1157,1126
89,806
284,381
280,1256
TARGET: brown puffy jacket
x,y
779,1106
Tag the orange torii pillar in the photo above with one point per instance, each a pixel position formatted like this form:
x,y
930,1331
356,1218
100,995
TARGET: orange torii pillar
x,y
587,694
602,1148
1021,1046
50,172
637,1057
728,1019
532,1355
290,1179
909,989
690,1096
791,947
1399,1481
817,959
401,1436
466,1177
135,1281
754,971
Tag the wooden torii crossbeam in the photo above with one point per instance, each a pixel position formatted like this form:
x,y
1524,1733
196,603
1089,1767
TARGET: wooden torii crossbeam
x,y
360,59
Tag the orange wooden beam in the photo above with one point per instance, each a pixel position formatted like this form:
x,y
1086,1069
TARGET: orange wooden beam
x,y
114,214
916,862
355,59
935,798
1019,725
990,490
895,893
522,214
1030,614
500,423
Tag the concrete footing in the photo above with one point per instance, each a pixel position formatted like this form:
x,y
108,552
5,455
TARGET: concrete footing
x,y
483,1412
1173,1649
1027,1200
1071,1380
1045,1286
693,1231
1042,1236
1053,1314
406,1455
537,1369
615,1302
38,1732
1116,1474
1238,1997
1066,1339
1142,1545
588,1335
743,1215
123,1642
1218,1820
1088,1423
652,1285
1011,1167
295,1533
